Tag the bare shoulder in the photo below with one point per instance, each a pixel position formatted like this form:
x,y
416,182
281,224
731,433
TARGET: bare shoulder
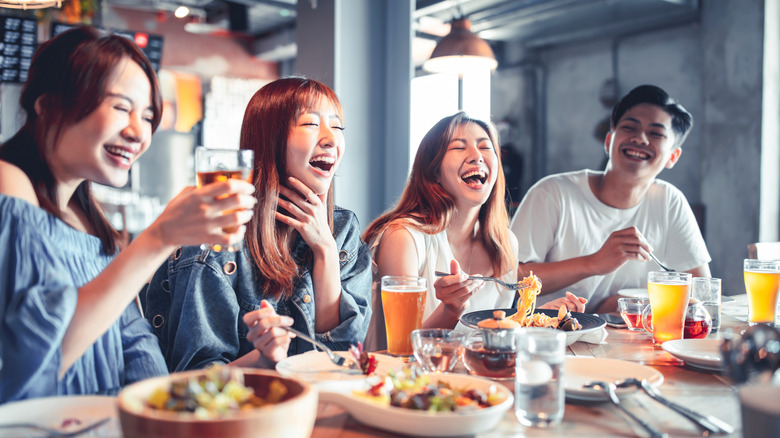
x,y
397,254
14,182
513,243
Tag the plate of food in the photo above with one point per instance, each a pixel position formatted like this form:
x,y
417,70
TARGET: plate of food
x,y
580,371
588,323
65,413
425,405
697,353
316,367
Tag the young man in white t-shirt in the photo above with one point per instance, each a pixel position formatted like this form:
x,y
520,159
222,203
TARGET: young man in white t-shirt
x,y
590,232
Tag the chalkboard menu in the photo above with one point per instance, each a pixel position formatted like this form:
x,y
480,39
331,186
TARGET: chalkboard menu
x,y
150,45
18,38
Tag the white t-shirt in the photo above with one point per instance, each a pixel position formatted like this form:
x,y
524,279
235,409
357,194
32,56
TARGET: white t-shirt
x,y
433,254
560,218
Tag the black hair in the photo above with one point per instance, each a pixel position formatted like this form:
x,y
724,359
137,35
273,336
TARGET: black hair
x,y
682,120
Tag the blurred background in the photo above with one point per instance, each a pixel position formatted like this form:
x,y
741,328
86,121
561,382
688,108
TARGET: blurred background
x,y
560,67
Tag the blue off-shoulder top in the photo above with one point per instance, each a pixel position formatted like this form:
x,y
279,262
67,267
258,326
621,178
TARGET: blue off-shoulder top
x,y
43,262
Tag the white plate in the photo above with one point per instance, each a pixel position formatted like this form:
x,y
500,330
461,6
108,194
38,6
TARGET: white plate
x,y
642,293
580,371
315,367
423,423
52,411
698,353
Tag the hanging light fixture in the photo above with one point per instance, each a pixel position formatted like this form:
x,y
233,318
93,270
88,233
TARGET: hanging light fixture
x,y
30,4
460,51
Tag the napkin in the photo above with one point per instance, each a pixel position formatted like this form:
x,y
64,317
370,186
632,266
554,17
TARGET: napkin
x,y
594,337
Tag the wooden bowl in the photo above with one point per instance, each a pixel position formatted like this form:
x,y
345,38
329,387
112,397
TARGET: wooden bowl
x,y
292,417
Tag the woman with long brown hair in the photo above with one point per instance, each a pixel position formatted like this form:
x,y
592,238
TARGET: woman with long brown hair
x,y
303,263
68,323
451,217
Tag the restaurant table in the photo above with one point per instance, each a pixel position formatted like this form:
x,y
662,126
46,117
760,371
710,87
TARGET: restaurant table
x,y
705,392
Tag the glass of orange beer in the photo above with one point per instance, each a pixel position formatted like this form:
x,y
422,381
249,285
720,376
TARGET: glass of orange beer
x,y
403,300
669,294
762,278
213,165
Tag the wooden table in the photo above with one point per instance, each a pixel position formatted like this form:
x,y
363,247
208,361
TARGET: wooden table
x,y
704,392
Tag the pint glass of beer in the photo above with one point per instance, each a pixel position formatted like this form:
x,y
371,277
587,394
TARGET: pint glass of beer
x,y
669,294
403,300
762,278
212,165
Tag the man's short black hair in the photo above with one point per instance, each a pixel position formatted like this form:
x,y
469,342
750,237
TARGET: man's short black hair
x,y
682,120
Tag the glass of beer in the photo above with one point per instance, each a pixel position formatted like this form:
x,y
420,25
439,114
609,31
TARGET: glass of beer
x,y
403,300
762,278
669,295
213,165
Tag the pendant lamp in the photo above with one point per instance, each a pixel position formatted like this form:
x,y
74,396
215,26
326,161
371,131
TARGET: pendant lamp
x,y
30,4
460,51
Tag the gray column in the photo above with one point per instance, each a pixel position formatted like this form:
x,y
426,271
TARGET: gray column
x,y
362,49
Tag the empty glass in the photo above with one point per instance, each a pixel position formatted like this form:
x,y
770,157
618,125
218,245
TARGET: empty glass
x,y
707,291
437,350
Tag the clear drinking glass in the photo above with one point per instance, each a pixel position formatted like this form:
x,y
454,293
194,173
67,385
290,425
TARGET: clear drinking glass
x,y
707,291
539,389
631,311
669,294
437,350
762,278
212,165
403,300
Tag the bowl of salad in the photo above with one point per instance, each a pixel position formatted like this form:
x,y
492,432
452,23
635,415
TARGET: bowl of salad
x,y
219,401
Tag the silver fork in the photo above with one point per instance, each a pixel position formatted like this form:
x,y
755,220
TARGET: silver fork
x,y
707,422
335,358
609,389
55,432
510,286
658,262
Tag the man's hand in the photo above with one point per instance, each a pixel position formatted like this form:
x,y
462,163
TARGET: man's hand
x,y
620,247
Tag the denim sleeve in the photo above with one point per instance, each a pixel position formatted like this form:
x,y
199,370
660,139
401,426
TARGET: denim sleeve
x,y
37,304
355,304
140,349
194,312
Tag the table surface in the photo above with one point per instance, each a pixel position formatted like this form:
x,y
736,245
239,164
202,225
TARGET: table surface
x,y
705,392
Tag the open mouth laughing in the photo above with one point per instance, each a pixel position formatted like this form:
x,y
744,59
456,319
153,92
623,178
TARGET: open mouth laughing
x,y
636,154
324,163
122,154
475,178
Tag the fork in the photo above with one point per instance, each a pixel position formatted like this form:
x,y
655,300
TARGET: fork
x,y
510,286
55,432
658,262
609,389
335,358
707,422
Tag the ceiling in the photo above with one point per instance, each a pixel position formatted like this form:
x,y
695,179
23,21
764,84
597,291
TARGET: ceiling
x,y
534,23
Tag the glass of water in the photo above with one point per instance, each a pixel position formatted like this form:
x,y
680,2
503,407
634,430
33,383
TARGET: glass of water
x,y
437,350
707,290
539,390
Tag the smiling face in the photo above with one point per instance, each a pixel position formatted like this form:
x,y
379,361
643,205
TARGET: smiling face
x,y
315,146
643,142
102,146
469,168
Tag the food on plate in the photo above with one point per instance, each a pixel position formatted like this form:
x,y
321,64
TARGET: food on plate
x,y
407,389
498,321
219,392
367,362
526,306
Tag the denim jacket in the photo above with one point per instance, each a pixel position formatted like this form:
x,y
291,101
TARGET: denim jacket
x,y
196,301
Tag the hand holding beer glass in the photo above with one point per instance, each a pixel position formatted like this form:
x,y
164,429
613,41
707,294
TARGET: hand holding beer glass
x,y
213,165
403,300
669,294
762,278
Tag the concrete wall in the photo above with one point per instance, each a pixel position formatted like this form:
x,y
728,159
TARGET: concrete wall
x,y
714,68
